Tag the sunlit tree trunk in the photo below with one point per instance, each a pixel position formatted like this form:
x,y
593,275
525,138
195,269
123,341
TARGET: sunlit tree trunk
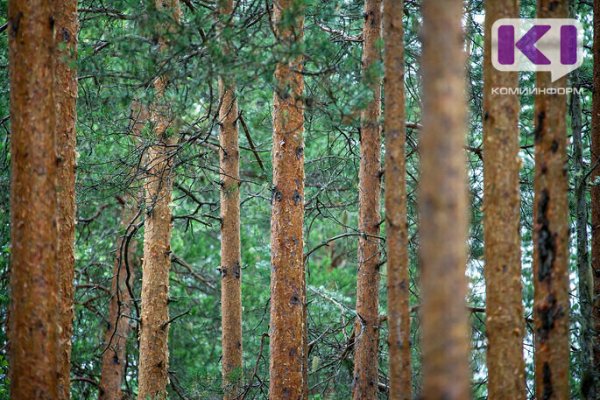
x,y
154,327
366,327
119,315
35,314
288,358
65,83
395,204
551,233
595,194
443,206
505,326
231,294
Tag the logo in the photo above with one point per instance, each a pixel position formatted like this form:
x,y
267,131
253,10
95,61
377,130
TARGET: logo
x,y
546,44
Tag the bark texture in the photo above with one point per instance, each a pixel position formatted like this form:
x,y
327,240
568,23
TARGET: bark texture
x,y
287,330
154,327
595,200
551,233
231,293
395,204
119,322
505,323
65,83
365,382
33,330
443,212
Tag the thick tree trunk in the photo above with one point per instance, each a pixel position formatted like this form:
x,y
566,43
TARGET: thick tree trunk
x,y
231,293
154,327
595,201
551,233
288,358
65,83
365,382
33,332
395,204
505,325
119,322
443,211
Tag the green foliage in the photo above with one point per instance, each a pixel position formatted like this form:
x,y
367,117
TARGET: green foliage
x,y
119,58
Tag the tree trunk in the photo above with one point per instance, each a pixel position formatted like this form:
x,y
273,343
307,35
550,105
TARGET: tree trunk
x,y
395,204
154,327
33,332
443,211
551,233
119,323
65,82
366,327
288,358
595,198
584,272
231,294
505,324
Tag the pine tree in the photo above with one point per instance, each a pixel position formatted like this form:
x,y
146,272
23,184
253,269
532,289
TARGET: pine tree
x,y
551,233
231,295
366,327
395,204
65,80
154,327
35,350
505,324
443,212
119,313
592,381
287,330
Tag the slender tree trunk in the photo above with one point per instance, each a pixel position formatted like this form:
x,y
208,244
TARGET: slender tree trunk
x,y
231,293
505,326
365,383
584,271
154,327
35,350
65,82
288,358
595,201
443,211
119,323
551,233
395,204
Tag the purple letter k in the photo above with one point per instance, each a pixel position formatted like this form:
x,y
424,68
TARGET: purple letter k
x,y
527,44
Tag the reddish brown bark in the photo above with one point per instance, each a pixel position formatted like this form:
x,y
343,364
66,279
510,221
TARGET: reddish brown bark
x,y
366,327
595,199
154,327
65,83
35,350
504,310
551,233
395,204
443,213
119,322
231,293
288,358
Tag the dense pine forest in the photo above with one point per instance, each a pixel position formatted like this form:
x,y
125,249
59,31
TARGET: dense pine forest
x,y
295,199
